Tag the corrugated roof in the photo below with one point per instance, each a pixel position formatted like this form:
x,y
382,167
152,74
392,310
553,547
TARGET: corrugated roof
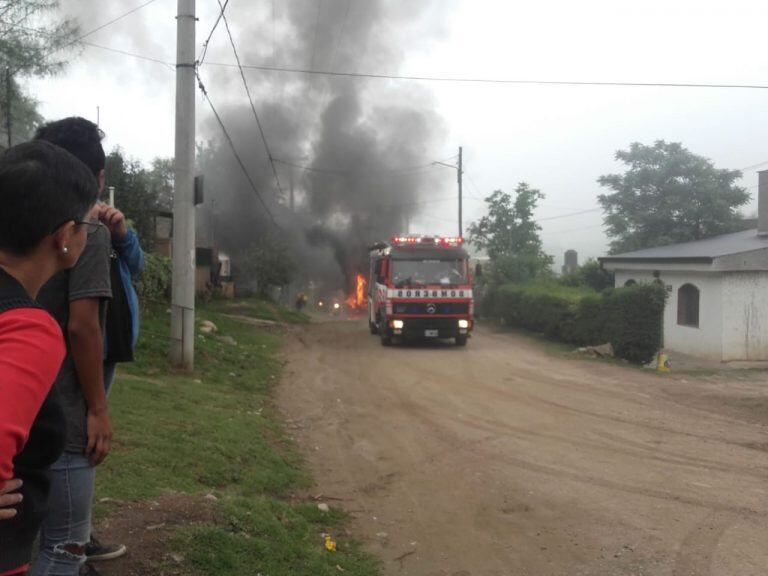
x,y
699,250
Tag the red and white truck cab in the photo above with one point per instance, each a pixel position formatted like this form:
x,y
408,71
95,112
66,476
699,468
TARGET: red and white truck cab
x,y
420,287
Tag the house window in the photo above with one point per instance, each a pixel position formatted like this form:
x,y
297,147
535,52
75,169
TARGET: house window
x,y
630,282
688,305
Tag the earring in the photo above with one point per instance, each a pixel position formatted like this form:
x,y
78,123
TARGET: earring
x,y
65,250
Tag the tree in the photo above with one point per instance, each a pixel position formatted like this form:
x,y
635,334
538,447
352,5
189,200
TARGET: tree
x,y
161,179
133,193
591,274
510,235
28,45
266,264
668,195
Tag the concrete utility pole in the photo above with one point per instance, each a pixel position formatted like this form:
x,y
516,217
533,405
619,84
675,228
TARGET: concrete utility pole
x,y
183,288
459,176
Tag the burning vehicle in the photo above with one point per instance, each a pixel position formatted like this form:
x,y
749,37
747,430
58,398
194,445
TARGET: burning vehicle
x,y
420,287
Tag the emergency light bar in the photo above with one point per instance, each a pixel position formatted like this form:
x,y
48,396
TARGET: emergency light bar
x,y
427,240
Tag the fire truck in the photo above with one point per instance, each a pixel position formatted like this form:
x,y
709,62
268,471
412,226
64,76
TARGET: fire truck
x,y
420,287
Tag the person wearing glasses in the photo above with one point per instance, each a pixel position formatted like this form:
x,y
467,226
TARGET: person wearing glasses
x,y
78,300
45,195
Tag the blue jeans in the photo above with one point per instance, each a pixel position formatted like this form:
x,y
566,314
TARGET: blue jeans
x,y
109,376
67,528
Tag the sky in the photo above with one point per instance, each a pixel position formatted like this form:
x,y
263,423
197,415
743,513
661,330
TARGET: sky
x,y
559,139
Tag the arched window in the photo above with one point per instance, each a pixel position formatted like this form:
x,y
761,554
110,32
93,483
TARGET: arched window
x,y
688,305
630,282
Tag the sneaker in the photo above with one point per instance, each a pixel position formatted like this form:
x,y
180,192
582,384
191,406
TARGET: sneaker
x,y
96,551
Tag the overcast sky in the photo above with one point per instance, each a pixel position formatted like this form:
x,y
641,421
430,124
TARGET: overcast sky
x,y
557,138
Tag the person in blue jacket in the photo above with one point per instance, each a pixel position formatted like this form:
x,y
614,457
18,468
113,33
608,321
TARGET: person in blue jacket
x,y
130,261
130,257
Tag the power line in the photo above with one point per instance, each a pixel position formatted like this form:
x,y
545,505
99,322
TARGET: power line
x,y
102,26
493,80
334,172
482,80
569,214
91,32
210,35
250,100
234,149
754,166
131,54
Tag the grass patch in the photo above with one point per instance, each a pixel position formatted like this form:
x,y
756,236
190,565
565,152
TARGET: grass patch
x,y
255,307
280,539
215,430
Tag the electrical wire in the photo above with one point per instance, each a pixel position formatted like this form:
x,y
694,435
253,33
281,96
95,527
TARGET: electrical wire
x,y
753,166
102,26
333,172
250,101
131,54
234,149
569,215
201,59
472,80
91,32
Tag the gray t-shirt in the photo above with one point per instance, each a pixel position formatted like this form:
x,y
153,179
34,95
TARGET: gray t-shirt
x,y
88,279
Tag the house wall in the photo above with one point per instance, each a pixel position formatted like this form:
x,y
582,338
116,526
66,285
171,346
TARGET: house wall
x,y
745,316
706,340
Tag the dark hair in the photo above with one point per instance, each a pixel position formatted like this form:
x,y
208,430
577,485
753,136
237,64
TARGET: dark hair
x,y
42,187
78,136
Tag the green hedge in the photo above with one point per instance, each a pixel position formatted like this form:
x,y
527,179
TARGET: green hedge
x,y
629,318
155,281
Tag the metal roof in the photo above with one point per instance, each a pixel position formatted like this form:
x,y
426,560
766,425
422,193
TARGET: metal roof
x,y
697,251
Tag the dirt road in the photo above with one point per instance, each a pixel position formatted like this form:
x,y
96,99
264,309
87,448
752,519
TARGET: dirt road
x,y
505,459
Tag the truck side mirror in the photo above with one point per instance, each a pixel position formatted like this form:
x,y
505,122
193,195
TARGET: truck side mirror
x,y
478,270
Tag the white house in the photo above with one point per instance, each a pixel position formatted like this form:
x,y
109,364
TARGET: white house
x,y
718,289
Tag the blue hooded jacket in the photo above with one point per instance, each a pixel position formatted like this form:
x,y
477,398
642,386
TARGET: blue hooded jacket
x,y
131,261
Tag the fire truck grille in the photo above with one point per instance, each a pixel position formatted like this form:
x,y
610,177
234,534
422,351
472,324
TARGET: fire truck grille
x,y
441,308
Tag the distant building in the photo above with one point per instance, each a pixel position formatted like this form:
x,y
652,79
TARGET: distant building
x,y
718,289
571,262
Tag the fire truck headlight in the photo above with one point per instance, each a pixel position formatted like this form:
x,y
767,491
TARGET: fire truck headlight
x,y
464,324
398,324
336,305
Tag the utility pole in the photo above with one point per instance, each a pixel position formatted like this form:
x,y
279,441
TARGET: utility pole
x,y
8,98
459,176
183,288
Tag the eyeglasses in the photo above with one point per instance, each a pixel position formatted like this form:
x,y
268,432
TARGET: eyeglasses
x,y
96,225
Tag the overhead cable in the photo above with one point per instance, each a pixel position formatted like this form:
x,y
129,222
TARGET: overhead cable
x,y
234,149
386,171
250,101
476,80
210,34
131,54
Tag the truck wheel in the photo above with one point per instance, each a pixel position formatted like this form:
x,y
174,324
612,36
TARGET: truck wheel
x,y
372,327
386,339
461,340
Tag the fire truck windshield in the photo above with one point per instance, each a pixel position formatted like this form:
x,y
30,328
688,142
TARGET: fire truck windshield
x,y
428,272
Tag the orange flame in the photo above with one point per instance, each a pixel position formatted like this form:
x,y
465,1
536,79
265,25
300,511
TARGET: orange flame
x,y
357,300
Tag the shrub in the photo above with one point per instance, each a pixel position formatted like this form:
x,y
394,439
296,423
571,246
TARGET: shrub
x,y
629,318
636,326
589,275
155,282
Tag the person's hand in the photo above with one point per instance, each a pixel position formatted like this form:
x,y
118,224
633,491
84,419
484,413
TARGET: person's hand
x,y
113,219
9,498
99,436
